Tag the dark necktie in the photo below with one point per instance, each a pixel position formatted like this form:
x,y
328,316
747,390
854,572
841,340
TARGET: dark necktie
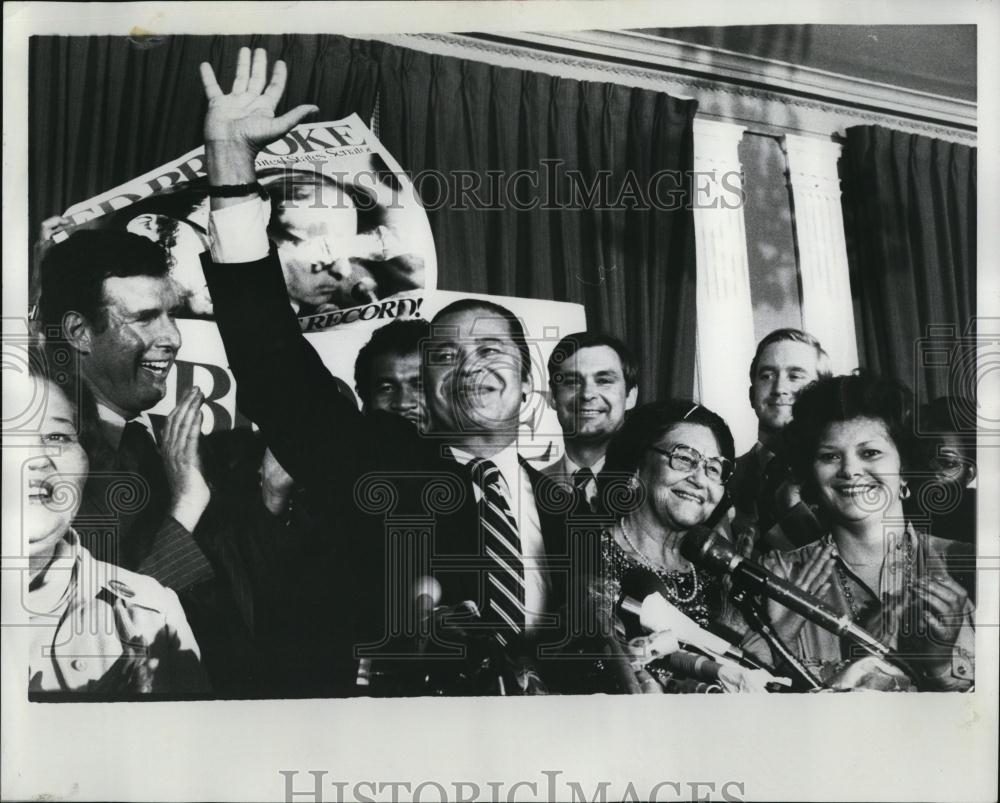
x,y
138,455
582,478
505,575
775,474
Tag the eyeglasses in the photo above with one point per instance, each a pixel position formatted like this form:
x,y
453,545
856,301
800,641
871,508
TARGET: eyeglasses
x,y
684,458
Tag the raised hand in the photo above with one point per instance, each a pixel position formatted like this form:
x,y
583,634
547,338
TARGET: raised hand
x,y
189,491
246,114
239,124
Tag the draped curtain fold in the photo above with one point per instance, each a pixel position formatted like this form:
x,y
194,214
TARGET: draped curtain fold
x,y
627,255
910,213
529,145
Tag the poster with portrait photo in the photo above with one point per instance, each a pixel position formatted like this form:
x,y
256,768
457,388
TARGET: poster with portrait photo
x,y
345,218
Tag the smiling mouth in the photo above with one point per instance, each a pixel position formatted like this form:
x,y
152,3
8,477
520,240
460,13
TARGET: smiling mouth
x,y
158,368
688,496
851,491
40,491
479,389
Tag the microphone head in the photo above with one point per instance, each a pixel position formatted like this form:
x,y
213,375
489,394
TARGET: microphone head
x,y
427,587
694,543
707,549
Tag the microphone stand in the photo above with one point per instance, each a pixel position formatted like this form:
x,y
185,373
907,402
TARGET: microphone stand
x,y
751,608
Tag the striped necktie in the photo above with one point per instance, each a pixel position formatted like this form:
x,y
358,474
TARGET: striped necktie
x,y
505,575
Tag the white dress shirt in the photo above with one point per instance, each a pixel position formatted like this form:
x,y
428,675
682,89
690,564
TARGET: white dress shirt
x,y
522,507
564,469
113,425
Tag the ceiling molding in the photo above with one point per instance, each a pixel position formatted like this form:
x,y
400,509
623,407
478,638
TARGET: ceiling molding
x,y
747,70
765,105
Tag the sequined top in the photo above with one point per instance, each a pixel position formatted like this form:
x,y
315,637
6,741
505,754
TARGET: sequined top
x,y
693,592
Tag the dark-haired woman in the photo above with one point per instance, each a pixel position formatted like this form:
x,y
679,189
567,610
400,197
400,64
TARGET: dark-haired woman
x,y
851,443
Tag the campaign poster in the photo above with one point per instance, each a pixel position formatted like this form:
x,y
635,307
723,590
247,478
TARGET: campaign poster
x,y
345,219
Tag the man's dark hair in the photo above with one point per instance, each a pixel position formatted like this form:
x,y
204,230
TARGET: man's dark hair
x,y
399,338
571,344
74,270
795,336
843,398
494,311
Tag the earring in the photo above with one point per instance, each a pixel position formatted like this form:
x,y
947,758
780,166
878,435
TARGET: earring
x,y
904,490
524,397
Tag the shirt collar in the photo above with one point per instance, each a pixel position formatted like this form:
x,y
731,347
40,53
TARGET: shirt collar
x,y
49,595
113,424
571,467
762,454
506,460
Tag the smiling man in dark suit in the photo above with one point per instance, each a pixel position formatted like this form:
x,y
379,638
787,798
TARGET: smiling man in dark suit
x,y
108,299
495,526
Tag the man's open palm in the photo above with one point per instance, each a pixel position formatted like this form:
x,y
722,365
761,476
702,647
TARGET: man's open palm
x,y
246,114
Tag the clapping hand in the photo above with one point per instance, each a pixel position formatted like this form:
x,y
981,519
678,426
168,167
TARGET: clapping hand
x,y
276,484
132,673
815,579
942,608
189,490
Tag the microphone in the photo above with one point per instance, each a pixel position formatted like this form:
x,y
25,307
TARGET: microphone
x,y
663,644
713,552
426,594
431,617
656,613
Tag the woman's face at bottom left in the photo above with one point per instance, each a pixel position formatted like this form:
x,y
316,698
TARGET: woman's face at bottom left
x,y
54,472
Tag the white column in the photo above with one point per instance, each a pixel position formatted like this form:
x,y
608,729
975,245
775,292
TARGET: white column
x,y
725,310
827,309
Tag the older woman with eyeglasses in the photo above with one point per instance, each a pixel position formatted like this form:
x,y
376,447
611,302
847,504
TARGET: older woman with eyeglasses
x,y
665,472
672,460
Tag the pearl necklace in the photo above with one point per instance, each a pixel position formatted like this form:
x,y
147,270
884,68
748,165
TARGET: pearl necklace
x,y
669,578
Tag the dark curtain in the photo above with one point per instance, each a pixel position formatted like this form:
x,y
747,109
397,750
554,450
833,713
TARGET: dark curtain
x,y
107,109
910,214
631,265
